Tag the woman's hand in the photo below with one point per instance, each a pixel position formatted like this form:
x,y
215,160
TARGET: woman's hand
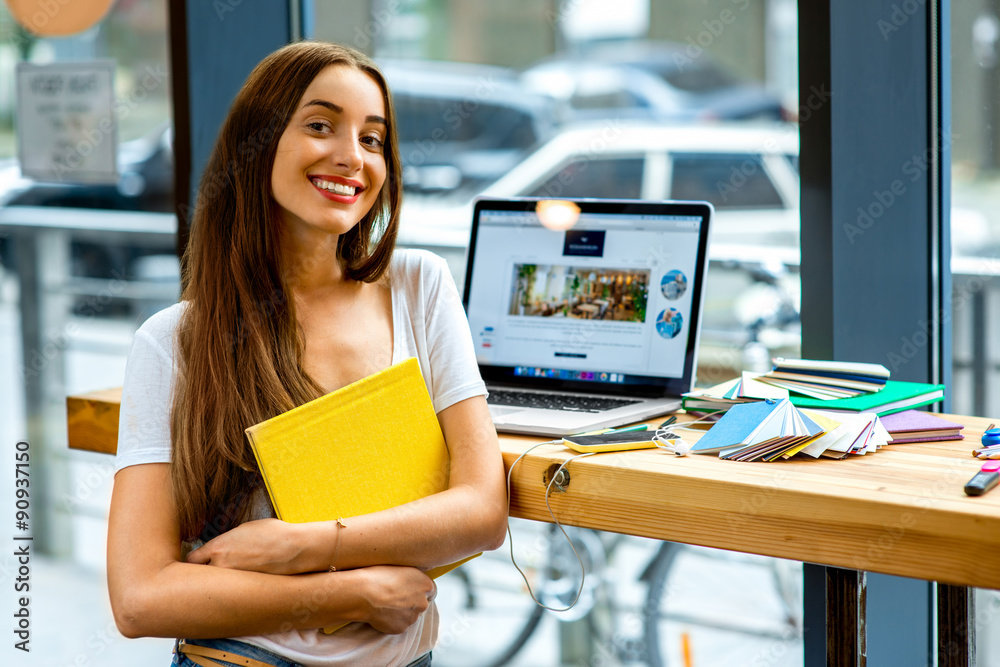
x,y
395,595
266,545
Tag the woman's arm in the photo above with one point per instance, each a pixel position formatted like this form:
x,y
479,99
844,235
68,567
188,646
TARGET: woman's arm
x,y
468,517
154,593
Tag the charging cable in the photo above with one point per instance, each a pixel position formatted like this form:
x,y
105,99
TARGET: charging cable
x,y
548,492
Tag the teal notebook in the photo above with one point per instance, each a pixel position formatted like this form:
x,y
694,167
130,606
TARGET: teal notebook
x,y
894,397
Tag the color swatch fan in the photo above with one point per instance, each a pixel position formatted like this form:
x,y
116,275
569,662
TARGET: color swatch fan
x,y
765,430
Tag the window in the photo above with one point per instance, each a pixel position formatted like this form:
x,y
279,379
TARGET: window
x,y
736,181
609,99
463,120
613,178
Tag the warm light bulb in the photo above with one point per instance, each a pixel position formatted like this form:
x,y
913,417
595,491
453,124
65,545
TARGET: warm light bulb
x,y
48,18
557,214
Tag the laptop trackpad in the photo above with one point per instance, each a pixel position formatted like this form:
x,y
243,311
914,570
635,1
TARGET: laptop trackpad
x,y
498,412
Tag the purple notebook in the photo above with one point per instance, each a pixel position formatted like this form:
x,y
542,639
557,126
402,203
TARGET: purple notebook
x,y
917,426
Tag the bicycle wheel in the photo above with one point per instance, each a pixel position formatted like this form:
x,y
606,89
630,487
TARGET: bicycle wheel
x,y
656,575
756,620
487,616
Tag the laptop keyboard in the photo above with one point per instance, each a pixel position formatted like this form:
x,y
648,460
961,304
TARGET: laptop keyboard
x,y
525,399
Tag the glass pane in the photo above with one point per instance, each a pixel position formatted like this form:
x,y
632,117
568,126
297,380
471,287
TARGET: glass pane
x,y
134,36
975,238
510,99
607,179
612,99
89,291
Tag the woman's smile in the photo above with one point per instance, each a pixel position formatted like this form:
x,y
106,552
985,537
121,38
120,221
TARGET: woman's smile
x,y
336,188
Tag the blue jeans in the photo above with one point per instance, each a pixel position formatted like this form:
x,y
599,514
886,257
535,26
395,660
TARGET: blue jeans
x,y
235,647
257,653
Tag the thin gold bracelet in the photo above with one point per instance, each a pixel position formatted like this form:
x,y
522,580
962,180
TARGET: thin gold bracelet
x,y
341,524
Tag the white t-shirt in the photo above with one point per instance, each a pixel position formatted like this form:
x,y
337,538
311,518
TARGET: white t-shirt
x,y
428,323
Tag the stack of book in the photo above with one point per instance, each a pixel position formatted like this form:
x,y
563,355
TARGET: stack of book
x,y
721,397
916,426
822,385
894,397
827,380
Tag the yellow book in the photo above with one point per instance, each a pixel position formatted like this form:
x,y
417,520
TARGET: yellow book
x,y
366,447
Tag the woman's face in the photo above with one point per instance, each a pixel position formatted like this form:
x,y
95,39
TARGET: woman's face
x,y
329,166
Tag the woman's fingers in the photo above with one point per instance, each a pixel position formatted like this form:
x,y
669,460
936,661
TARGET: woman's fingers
x,y
396,596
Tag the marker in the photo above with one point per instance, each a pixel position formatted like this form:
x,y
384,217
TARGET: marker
x,y
984,480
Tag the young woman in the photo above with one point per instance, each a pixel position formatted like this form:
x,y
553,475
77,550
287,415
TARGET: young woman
x,y
293,290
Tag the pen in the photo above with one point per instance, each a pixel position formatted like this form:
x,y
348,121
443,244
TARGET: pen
x,y
669,421
624,429
637,427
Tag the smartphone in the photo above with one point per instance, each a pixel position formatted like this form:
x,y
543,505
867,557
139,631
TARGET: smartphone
x,y
611,442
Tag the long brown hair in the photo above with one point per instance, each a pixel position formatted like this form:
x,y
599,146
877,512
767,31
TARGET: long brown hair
x,y
240,348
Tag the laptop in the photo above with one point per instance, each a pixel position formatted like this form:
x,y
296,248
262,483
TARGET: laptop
x,y
585,313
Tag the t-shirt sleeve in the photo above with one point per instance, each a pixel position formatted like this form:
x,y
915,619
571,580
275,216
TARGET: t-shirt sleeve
x,y
144,422
451,352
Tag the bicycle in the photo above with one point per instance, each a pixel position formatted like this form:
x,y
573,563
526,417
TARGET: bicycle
x,y
626,602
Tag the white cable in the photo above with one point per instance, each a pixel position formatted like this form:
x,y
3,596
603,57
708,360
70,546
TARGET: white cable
x,y
678,446
548,492
687,425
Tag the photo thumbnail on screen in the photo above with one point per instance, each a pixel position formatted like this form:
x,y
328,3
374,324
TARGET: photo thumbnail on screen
x,y
579,292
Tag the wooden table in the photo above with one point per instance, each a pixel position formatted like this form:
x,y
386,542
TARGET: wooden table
x,y
899,511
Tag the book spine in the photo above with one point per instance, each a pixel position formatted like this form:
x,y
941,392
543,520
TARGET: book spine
x,y
260,467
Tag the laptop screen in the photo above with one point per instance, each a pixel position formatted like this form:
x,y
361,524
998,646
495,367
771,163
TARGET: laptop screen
x,y
589,295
